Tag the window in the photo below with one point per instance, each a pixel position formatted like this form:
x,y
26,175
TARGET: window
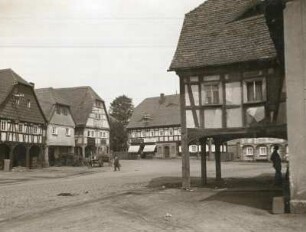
x,y
161,132
20,127
35,129
3,125
262,151
210,94
17,101
29,103
68,132
58,109
171,131
65,111
254,90
54,130
249,151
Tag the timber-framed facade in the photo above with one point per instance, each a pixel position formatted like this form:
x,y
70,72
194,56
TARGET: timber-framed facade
x,y
154,129
230,63
22,123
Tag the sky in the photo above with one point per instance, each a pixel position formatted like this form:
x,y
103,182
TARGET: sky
x,y
115,46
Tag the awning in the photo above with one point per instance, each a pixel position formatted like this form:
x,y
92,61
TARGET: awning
x,y
149,148
134,149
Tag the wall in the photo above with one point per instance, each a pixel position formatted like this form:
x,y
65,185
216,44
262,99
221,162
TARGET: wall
x,y
60,139
295,50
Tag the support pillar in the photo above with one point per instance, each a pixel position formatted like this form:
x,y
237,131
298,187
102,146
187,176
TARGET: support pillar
x,y
295,58
28,156
209,148
46,157
203,162
184,138
11,156
83,151
218,159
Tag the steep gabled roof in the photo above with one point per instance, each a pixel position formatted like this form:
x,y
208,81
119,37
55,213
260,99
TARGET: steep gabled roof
x,y
8,78
48,98
155,112
221,32
81,101
8,81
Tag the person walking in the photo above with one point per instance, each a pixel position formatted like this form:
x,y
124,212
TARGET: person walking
x,y
277,165
116,163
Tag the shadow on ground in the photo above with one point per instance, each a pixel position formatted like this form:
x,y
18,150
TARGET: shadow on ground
x,y
256,192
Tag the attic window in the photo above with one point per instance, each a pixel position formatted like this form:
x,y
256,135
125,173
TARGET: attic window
x,y
29,104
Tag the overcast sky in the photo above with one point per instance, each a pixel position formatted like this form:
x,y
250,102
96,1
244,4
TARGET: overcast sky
x,y
116,46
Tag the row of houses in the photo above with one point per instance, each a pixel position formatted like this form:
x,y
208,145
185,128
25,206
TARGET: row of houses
x,y
154,130
40,126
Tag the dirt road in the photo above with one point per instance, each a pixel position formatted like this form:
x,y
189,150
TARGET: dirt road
x,y
138,198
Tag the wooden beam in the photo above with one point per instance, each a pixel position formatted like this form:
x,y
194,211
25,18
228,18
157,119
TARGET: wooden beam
x,y
218,160
184,137
203,162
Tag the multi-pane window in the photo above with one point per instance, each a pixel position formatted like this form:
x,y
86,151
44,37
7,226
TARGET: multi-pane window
x,y
254,90
211,94
20,127
65,111
58,109
54,130
35,130
68,132
262,151
3,126
249,151
29,103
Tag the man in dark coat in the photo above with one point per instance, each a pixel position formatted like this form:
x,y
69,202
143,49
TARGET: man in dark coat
x,y
116,163
277,164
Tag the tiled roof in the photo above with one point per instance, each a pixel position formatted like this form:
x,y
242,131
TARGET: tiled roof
x,y
152,112
81,101
215,33
48,98
8,78
21,112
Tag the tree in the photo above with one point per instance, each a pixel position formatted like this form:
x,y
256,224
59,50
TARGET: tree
x,y
121,110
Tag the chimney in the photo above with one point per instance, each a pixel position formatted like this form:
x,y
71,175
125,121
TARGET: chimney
x,y
162,98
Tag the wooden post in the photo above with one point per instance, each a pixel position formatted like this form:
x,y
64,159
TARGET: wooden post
x,y
209,147
83,151
203,162
184,138
28,156
46,156
218,160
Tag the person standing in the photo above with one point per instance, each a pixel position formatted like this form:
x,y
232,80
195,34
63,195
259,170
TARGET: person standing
x,y
277,165
116,163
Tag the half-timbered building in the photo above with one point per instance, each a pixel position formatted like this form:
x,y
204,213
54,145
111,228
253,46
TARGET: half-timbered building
x,y
230,63
22,122
60,141
91,120
155,127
